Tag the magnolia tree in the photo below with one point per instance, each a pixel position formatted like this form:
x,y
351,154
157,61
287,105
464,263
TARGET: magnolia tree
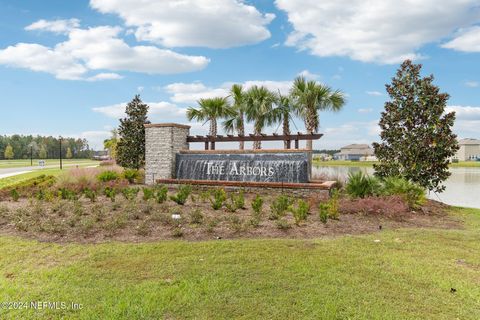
x,y
131,146
417,138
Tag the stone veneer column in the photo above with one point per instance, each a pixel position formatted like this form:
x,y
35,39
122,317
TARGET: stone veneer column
x,y
162,142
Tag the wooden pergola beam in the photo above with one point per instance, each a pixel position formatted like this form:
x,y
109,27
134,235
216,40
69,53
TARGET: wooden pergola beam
x,y
252,137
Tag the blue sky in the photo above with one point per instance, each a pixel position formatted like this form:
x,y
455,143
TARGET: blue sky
x,y
69,67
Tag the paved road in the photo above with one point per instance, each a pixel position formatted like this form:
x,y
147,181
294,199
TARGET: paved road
x,y
9,172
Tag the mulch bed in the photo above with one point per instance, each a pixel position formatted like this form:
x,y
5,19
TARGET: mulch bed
x,y
143,221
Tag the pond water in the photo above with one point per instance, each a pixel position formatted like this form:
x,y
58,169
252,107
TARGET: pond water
x,y
462,188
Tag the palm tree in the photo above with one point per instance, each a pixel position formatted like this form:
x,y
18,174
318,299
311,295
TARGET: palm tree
x,y
259,109
236,122
283,113
209,110
310,97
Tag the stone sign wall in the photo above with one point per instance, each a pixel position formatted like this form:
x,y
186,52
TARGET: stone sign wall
x,y
166,158
162,142
259,167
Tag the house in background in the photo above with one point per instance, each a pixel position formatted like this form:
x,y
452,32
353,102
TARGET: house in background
x,y
469,150
356,152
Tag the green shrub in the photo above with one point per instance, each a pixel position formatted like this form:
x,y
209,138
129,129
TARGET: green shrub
x,y
360,185
110,193
107,175
333,212
300,212
148,193
131,175
90,194
177,232
219,197
279,206
67,194
239,200
130,193
15,195
182,195
257,205
204,196
161,193
412,193
324,212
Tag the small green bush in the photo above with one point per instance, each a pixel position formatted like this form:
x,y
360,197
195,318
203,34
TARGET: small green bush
x,y
412,193
279,206
15,195
323,214
257,205
107,175
110,193
360,185
90,194
148,193
67,194
130,193
131,175
182,195
218,199
161,193
333,212
300,212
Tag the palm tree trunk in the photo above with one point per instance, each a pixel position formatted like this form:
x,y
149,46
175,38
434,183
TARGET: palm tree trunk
x,y
257,144
310,125
241,132
286,128
213,127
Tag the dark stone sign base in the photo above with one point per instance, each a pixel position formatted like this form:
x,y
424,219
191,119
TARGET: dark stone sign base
x,y
255,167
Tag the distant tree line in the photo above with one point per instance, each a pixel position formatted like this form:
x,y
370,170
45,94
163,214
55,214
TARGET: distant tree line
x,y
42,147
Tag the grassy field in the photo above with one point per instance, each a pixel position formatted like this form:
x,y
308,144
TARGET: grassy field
x,y
48,162
403,274
5,182
461,164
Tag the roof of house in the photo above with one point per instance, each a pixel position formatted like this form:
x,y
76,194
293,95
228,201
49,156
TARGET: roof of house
x,y
469,141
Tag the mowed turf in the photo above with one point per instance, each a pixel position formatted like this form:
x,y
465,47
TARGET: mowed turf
x,y
10,181
48,162
403,274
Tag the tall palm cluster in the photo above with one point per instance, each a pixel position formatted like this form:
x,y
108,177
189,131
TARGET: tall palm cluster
x,y
264,108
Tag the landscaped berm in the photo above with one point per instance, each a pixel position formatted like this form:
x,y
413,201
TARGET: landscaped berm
x,y
87,241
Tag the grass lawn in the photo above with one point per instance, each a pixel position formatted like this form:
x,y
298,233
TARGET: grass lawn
x,y
48,162
461,164
6,182
402,274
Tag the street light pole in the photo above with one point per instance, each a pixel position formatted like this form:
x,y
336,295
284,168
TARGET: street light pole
x,y
61,164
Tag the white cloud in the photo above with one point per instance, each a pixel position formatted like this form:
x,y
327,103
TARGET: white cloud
x,y
308,75
192,92
467,40
374,93
98,49
347,133
40,58
472,84
105,76
465,112
188,23
117,111
383,31
56,26
365,110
